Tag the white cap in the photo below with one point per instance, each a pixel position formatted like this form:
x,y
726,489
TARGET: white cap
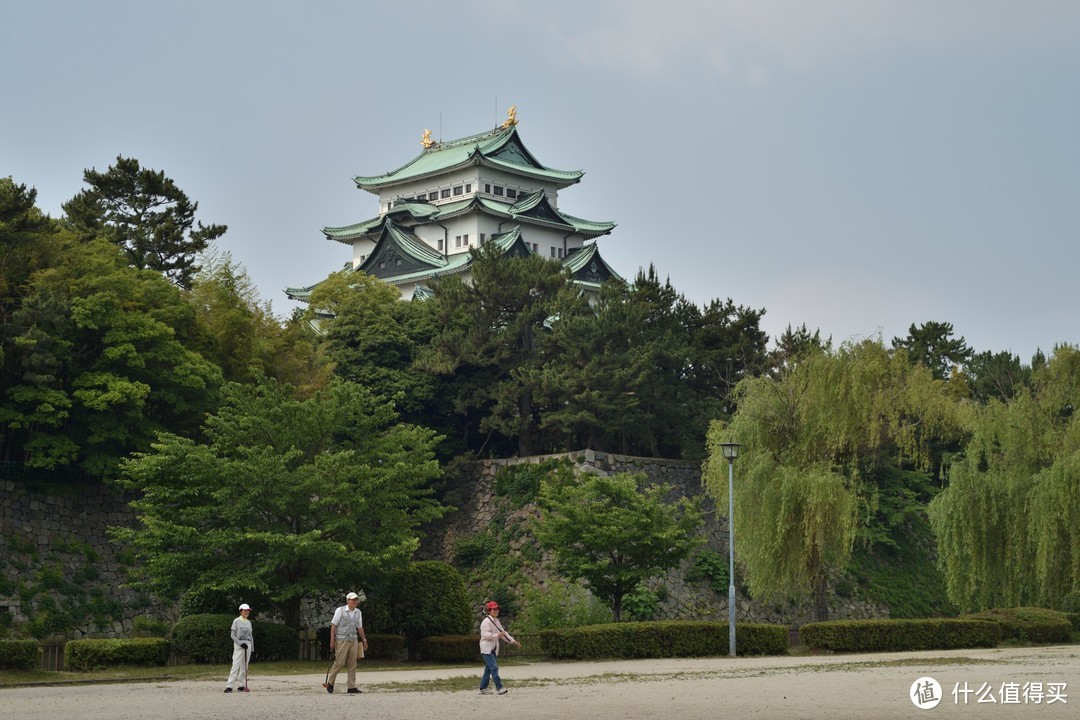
x,y
352,596
245,606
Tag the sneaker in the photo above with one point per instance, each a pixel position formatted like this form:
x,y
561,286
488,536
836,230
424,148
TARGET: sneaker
x,y
501,691
244,689
228,689
329,688
353,691
485,691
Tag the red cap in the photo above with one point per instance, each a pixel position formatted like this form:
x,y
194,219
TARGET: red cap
x,y
492,605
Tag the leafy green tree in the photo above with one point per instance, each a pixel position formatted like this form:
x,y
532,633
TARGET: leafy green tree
x,y
1007,524
373,338
145,214
289,498
487,339
996,375
816,440
614,532
932,344
429,598
794,344
100,361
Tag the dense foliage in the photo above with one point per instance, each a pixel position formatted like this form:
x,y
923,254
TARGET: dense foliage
x,y
287,497
613,532
898,635
93,654
662,639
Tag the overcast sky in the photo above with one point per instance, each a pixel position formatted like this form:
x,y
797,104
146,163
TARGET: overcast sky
x,y
857,166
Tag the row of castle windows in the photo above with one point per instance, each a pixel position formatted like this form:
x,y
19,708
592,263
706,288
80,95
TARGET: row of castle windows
x,y
463,241
465,189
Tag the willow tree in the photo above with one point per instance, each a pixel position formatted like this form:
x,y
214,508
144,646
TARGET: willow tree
x,y
814,437
1008,525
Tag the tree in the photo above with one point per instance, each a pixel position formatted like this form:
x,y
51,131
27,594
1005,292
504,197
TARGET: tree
x,y
488,338
145,214
817,438
614,532
99,361
932,344
1008,524
288,497
429,598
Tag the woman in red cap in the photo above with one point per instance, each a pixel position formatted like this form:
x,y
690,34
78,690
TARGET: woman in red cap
x,y
490,634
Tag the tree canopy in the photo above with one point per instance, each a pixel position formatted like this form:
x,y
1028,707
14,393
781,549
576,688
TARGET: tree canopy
x,y
286,497
147,215
1008,524
613,532
815,439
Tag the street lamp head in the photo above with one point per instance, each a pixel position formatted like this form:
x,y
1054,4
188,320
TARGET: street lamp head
x,y
731,450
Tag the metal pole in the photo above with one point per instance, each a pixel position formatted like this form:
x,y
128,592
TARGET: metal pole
x,y
731,555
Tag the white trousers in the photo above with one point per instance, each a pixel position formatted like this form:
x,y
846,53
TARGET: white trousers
x,y
238,674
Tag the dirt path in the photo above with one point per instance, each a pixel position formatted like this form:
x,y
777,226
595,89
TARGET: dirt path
x,y
863,687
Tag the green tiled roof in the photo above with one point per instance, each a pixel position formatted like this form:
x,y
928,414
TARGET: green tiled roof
x,y
500,148
588,267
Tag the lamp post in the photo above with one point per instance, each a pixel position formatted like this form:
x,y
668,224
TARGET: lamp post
x,y
731,451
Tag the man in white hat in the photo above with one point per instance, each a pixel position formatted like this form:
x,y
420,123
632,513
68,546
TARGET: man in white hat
x,y
347,641
243,647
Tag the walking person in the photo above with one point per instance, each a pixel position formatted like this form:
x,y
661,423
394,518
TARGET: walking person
x,y
243,648
491,631
347,641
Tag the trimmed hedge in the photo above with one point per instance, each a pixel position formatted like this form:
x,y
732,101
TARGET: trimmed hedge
x,y
1029,623
19,654
675,638
450,649
380,647
82,655
205,639
896,635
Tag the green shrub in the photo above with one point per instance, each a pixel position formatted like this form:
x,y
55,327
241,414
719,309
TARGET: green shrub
x,y
897,635
273,641
204,638
641,603
1074,618
150,627
559,606
712,566
676,638
521,482
385,647
1028,624
19,654
431,600
1071,603
82,655
472,550
450,649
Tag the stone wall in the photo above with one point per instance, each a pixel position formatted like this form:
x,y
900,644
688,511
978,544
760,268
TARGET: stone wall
x,y
680,598
60,570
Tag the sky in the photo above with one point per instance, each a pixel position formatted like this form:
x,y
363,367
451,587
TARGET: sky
x,y
857,166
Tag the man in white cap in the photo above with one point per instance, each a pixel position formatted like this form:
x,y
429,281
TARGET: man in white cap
x,y
347,641
243,648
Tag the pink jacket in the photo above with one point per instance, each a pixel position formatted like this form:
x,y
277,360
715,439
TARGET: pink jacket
x,y
489,636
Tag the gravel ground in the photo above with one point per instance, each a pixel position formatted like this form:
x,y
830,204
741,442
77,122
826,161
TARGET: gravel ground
x,y
835,687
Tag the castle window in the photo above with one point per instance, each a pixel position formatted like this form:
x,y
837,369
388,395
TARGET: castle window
x,y
381,264
552,251
433,195
487,188
468,187
440,244
498,190
446,193
560,252
465,240
511,193
458,190
457,241
482,238
536,248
